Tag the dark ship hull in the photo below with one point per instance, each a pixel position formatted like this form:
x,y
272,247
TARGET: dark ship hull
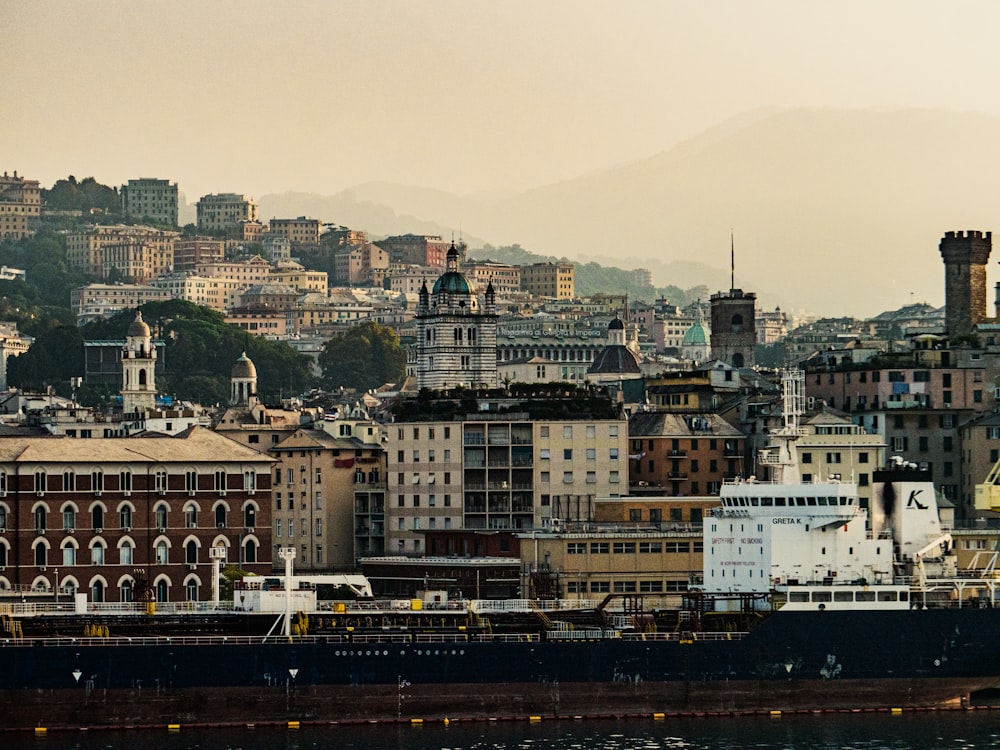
x,y
788,660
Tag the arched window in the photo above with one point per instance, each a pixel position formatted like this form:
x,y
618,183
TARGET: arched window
x,y
249,516
736,323
161,591
191,552
3,518
69,517
191,590
142,377
125,553
191,516
3,555
97,517
97,591
161,516
737,360
40,518
250,551
97,554
125,592
41,555
220,516
125,517
162,553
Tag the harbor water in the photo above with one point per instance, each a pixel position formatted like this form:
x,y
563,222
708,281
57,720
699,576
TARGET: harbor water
x,y
821,731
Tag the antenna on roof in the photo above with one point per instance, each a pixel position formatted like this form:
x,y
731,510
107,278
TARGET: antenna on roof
x,y
732,260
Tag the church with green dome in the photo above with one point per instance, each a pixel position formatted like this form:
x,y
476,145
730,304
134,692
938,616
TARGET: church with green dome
x,y
456,338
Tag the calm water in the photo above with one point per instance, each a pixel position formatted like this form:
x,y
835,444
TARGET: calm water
x,y
951,729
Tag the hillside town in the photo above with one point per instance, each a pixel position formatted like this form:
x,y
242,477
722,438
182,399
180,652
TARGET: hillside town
x,y
535,443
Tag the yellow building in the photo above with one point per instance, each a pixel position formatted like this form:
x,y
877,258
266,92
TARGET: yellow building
x,y
150,199
225,211
86,250
20,205
288,273
300,231
555,280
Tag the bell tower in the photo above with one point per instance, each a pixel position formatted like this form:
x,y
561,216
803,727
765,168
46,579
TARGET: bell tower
x,y
138,368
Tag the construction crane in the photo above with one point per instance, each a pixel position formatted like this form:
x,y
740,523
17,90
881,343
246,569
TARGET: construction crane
x,y
988,493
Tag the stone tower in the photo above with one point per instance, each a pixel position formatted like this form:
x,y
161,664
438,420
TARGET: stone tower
x,y
965,255
456,340
243,382
734,327
138,368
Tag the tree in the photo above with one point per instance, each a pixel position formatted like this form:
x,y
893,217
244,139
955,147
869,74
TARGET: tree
x,y
363,357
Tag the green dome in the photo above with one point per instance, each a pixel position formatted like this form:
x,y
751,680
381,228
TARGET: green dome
x,y
696,336
452,281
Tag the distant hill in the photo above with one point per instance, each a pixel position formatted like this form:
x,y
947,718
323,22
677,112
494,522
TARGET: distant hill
x,y
834,212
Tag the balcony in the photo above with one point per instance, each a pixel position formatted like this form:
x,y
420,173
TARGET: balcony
x,y
677,454
677,475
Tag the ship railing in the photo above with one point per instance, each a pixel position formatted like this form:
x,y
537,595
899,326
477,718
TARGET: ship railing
x,y
440,638
506,638
689,636
531,605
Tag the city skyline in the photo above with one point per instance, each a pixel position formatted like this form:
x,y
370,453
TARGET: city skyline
x,y
480,99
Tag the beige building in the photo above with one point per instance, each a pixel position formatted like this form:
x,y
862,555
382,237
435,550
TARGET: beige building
x,y
220,212
361,264
289,273
13,343
97,301
137,260
407,279
498,474
589,565
148,198
506,279
209,291
555,280
833,447
254,271
86,250
300,231
20,206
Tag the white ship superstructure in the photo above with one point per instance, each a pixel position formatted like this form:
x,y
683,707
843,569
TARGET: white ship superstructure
x,y
787,535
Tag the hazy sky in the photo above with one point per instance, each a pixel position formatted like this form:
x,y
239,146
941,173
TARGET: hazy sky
x,y
262,97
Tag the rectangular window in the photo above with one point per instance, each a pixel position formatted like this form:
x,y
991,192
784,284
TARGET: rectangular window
x,y
623,548
567,477
599,548
591,454
576,548
567,454
591,477
650,548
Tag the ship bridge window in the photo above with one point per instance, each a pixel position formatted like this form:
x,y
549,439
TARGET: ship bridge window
x,y
822,596
887,596
779,502
811,502
864,596
754,501
843,596
822,501
766,502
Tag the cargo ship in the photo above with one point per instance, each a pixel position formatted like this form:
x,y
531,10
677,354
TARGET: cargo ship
x,y
809,601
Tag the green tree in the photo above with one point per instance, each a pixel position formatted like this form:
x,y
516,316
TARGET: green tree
x,y
363,357
70,195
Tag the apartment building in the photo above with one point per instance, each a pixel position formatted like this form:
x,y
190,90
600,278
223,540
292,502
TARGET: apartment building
x,y
505,278
189,252
498,472
684,454
291,274
97,301
20,206
364,264
209,291
554,280
418,250
152,199
220,212
300,231
86,250
137,260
